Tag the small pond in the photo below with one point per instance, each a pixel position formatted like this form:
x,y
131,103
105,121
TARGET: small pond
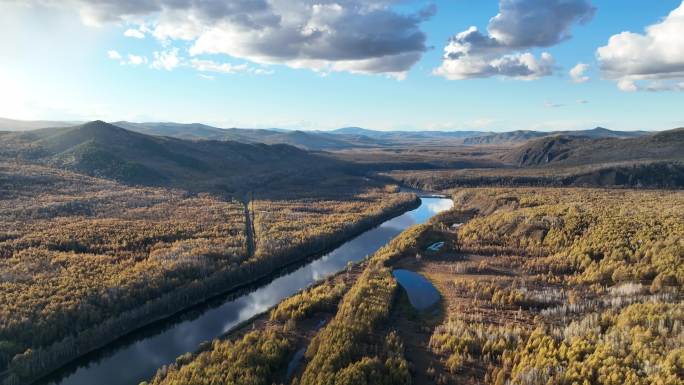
x,y
422,294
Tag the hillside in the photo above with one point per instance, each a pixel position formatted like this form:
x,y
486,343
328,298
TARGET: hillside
x,y
665,174
570,150
308,140
601,132
104,150
503,138
521,136
344,138
176,130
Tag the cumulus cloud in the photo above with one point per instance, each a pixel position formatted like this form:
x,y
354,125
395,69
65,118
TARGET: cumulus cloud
x,y
577,73
212,66
653,61
134,33
130,59
630,85
523,66
167,60
359,36
520,25
114,55
136,60
204,65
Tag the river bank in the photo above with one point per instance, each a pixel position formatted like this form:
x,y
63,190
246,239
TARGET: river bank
x,y
41,362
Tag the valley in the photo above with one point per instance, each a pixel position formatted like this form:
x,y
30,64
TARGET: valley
x,y
118,244
347,192
558,287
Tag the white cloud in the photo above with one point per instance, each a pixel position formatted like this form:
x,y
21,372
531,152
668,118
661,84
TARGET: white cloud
x,y
167,60
133,60
520,25
263,71
114,55
204,65
170,59
653,61
134,33
521,66
136,60
627,85
212,66
358,36
577,73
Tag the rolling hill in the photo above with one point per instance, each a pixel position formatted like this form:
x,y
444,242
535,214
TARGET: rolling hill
x,y
577,150
521,136
105,150
309,140
400,136
503,138
344,138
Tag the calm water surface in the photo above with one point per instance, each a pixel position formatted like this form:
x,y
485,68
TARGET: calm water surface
x,y
136,357
421,292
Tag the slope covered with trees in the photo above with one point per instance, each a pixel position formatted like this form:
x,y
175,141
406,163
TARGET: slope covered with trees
x,y
257,356
571,150
539,286
661,174
84,260
583,287
104,150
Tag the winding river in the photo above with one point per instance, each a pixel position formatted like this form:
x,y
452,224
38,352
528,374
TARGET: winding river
x,y
136,357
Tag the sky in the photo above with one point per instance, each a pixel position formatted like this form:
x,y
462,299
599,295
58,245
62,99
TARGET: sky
x,y
491,65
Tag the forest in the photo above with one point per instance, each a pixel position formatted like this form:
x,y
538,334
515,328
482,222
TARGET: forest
x,y
542,280
564,286
550,286
85,260
649,174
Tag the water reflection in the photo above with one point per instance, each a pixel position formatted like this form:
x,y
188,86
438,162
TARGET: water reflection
x,y
137,357
422,294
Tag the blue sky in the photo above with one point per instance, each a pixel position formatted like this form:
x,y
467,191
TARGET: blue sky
x,y
69,61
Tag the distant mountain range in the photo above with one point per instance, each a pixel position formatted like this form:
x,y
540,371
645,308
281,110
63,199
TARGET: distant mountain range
x,y
403,135
233,161
195,131
520,136
339,139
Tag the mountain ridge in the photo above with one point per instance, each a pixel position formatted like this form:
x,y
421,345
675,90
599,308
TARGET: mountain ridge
x,y
337,139
577,150
105,150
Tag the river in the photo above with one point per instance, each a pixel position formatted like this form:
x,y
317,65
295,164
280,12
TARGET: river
x,y
136,358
